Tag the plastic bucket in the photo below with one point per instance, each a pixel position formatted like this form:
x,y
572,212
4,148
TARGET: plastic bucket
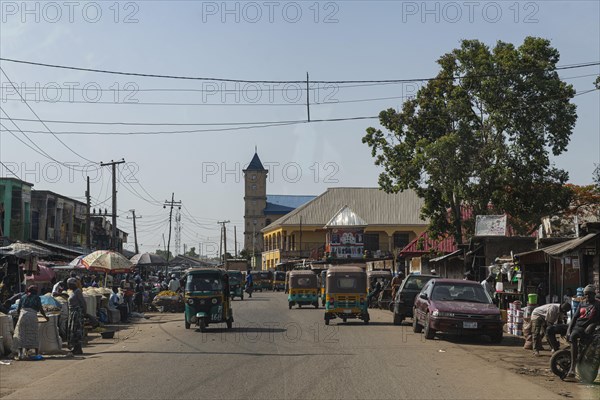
x,y
532,298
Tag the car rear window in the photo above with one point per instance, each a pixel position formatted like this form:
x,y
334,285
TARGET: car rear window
x,y
416,282
460,292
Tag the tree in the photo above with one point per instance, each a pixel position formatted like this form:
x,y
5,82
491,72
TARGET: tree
x,y
163,254
192,252
478,136
245,254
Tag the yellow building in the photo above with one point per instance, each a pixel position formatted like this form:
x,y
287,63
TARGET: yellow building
x,y
390,221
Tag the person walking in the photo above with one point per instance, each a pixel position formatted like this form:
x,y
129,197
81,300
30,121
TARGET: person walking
x,y
174,284
543,318
77,307
26,332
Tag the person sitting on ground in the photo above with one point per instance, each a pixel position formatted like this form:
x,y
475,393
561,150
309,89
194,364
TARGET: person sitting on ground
x,y
583,323
115,302
548,315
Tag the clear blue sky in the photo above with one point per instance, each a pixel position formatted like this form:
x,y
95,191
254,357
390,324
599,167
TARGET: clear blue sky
x,y
349,40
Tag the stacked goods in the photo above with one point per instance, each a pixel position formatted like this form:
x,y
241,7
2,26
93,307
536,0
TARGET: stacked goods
x,y
50,341
6,332
168,300
515,319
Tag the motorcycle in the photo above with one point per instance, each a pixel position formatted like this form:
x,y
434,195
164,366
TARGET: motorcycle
x,y
588,359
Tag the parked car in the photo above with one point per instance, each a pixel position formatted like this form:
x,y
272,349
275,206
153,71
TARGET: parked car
x,y
457,307
405,297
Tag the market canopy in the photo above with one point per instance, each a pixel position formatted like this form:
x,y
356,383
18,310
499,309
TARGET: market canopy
x,y
24,250
147,259
77,263
106,261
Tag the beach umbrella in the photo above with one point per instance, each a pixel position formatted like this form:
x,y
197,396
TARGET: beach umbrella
x,y
77,263
147,259
106,261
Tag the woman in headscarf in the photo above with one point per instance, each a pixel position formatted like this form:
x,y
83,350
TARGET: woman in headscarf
x,y
26,332
77,309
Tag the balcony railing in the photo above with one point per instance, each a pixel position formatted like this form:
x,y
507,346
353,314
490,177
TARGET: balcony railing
x,y
309,250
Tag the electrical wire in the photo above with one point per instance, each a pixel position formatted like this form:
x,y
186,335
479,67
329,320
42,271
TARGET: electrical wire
x,y
144,75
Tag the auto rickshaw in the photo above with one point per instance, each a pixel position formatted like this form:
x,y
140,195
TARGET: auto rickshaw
x,y
303,289
278,280
287,282
267,280
256,281
236,284
384,276
346,294
207,297
323,281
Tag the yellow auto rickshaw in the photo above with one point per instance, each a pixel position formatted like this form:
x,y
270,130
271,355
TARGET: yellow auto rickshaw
x,y
207,297
303,289
278,280
322,284
346,294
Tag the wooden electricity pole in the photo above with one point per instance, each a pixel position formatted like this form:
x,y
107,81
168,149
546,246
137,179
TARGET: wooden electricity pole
x,y
114,164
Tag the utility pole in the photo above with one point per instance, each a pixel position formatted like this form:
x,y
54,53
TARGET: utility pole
x,y
301,236
177,233
235,241
114,164
88,217
171,204
223,238
137,249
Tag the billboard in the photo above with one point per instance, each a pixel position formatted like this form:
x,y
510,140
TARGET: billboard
x,y
490,225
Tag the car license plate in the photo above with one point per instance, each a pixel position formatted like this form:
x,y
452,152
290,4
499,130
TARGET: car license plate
x,y
347,311
469,325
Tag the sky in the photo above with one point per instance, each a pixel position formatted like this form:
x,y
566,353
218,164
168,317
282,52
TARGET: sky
x,y
257,41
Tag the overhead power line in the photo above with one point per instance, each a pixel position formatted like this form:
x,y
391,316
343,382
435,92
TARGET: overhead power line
x,y
145,75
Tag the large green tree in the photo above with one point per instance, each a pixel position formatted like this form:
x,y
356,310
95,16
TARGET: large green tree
x,y
479,135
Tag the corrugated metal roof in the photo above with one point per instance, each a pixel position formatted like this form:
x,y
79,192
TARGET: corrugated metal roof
x,y
374,206
423,244
346,217
445,257
291,201
563,247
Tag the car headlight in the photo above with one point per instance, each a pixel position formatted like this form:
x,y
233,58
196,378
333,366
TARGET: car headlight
x,y
214,301
190,301
437,313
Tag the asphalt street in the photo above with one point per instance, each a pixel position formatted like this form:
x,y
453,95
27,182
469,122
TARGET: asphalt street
x,y
271,353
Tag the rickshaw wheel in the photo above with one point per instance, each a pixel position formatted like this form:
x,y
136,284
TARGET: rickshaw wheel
x,y
202,325
187,324
229,323
344,320
290,305
326,321
242,297
316,304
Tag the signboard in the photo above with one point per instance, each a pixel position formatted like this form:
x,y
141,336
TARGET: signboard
x,y
345,243
490,225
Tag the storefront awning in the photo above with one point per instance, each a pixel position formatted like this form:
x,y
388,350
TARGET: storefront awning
x,y
561,248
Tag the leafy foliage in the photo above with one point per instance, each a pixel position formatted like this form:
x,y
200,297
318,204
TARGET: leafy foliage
x,y
480,135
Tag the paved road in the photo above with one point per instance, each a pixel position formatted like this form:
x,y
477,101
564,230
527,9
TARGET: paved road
x,y
272,353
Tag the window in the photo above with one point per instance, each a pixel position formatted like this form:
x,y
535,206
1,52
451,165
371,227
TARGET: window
x,y
371,241
253,177
253,187
400,240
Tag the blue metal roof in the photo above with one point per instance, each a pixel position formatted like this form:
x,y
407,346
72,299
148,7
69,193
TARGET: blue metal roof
x,y
283,204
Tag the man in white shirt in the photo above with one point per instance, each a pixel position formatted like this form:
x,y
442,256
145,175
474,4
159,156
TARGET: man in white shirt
x,y
547,316
115,302
174,283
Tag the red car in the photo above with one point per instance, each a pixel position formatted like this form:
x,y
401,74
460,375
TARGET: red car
x,y
458,307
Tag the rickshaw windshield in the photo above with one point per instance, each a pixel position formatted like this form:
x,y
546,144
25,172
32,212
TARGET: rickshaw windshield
x,y
303,281
203,283
346,283
234,279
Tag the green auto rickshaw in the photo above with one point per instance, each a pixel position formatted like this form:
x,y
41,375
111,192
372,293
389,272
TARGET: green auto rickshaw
x,y
346,294
303,289
278,280
257,283
236,284
207,298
